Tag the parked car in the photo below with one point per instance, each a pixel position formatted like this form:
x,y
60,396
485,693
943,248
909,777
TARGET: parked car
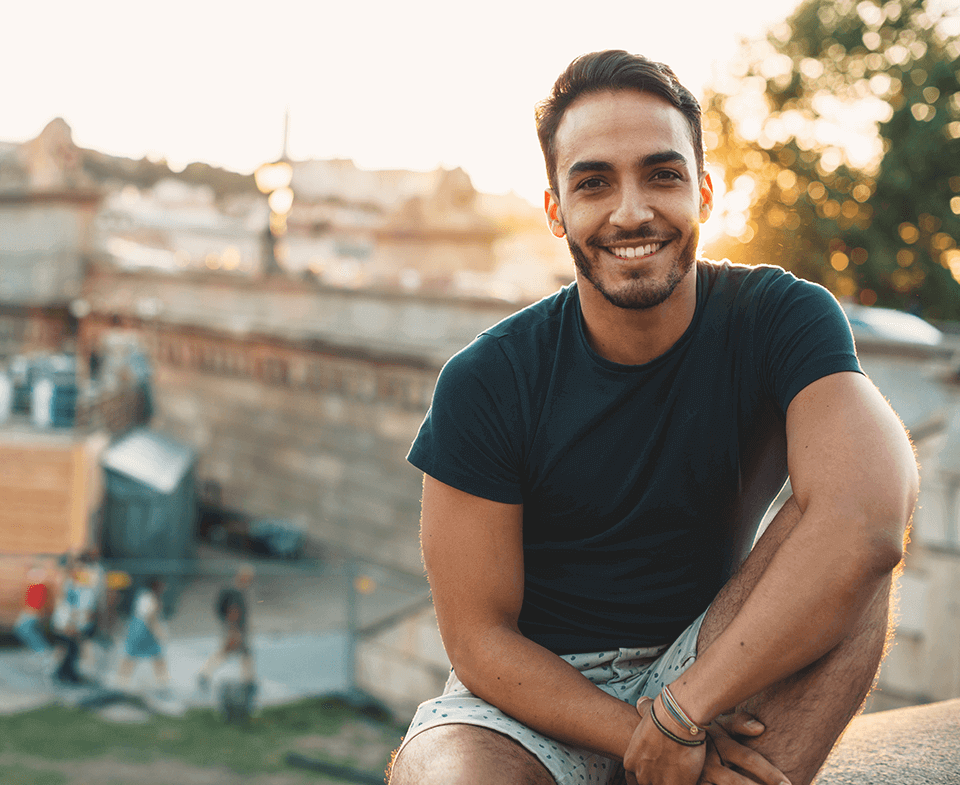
x,y
891,325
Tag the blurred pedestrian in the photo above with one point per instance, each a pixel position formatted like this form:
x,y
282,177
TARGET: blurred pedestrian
x,y
66,623
232,609
145,636
91,586
29,625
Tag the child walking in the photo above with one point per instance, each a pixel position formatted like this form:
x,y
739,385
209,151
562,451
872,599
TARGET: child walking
x,y
145,634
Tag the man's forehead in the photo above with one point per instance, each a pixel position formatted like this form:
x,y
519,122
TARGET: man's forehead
x,y
602,122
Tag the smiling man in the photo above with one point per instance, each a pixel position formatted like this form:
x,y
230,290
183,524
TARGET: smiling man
x,y
596,469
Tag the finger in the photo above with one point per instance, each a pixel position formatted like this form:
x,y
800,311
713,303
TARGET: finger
x,y
643,706
740,723
749,761
715,773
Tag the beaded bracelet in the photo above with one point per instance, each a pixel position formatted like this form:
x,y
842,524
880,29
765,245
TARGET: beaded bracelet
x,y
677,713
673,736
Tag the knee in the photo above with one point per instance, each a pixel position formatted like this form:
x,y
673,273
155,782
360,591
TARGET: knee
x,y
434,757
465,755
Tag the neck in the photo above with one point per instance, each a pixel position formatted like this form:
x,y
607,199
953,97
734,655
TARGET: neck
x,y
635,337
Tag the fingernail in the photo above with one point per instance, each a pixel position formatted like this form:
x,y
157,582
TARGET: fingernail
x,y
757,725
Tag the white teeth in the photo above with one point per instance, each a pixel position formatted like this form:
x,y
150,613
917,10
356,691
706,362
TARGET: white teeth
x,y
631,252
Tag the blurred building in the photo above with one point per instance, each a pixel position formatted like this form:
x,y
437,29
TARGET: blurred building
x,y
57,416
436,236
47,208
347,227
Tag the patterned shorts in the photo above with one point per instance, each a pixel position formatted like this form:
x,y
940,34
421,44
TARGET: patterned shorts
x,y
628,674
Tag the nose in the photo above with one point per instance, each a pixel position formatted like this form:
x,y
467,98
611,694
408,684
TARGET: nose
x,y
632,208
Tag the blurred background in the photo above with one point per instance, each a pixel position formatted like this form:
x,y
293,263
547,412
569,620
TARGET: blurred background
x,y
238,244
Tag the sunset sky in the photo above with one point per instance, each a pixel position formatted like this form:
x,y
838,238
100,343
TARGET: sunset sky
x,y
391,85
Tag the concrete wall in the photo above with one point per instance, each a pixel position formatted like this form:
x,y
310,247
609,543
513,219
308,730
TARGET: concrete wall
x,y
331,461
404,665
378,324
302,401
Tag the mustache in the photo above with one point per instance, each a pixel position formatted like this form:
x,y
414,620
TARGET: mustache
x,y
641,233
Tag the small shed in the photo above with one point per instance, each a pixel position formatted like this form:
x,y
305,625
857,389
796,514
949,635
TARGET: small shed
x,y
150,506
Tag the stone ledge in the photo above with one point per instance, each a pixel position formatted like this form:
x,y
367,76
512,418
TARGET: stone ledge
x,y
919,745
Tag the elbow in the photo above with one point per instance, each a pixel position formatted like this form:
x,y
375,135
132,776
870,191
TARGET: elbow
x,y
874,537
885,548
891,514
885,555
462,661
476,658
468,664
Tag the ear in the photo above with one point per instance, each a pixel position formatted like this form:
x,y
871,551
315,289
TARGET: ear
x,y
554,218
706,197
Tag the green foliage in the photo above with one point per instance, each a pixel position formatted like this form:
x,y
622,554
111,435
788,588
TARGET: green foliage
x,y
841,135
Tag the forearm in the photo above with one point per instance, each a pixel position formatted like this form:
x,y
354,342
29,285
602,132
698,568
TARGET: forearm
x,y
810,596
543,691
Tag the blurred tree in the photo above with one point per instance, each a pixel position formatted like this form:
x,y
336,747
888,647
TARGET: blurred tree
x,y
839,138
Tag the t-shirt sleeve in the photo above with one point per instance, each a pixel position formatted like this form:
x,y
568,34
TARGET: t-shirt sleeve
x,y
807,336
471,436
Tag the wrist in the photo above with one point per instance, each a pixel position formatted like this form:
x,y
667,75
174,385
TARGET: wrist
x,y
675,710
663,717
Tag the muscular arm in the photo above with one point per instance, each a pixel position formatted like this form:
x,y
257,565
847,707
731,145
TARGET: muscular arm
x,y
855,481
473,551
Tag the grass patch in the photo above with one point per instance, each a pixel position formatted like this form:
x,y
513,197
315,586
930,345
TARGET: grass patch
x,y
200,738
26,776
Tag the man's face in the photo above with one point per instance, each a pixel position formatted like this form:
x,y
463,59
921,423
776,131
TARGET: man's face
x,y
629,198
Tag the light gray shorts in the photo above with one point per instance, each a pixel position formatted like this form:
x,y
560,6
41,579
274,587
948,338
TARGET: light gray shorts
x,y
628,674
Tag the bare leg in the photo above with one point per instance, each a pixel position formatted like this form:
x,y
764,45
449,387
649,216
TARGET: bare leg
x,y
160,671
247,673
806,713
210,667
465,755
125,671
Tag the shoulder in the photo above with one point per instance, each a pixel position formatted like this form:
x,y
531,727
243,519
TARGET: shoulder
x,y
536,319
521,339
766,290
725,276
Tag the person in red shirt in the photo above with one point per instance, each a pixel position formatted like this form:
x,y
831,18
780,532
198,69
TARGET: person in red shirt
x,y
29,625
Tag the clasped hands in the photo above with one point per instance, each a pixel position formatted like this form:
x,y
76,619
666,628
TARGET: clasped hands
x,y
654,759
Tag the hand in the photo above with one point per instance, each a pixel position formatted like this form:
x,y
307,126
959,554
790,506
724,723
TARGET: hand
x,y
653,759
728,761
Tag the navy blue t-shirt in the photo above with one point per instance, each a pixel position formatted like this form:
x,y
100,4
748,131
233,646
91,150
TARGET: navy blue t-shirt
x,y
642,485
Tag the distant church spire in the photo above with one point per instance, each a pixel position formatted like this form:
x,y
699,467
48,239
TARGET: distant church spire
x,y
286,133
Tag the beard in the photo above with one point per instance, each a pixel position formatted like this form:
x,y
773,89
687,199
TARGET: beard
x,y
641,291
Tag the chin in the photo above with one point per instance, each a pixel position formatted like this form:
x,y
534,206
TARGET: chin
x,y
639,292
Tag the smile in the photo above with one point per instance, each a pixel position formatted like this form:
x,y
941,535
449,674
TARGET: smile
x,y
633,251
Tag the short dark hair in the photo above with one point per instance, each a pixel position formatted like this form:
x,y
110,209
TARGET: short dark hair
x,y
613,69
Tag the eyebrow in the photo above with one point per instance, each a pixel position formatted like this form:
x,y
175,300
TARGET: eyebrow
x,y
653,159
